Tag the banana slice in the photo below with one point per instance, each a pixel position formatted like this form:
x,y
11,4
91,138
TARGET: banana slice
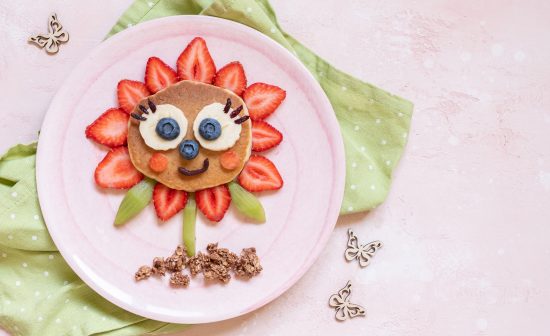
x,y
147,128
230,132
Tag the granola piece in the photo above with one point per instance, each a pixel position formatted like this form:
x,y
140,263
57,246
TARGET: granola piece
x,y
221,256
178,260
210,248
179,279
196,263
217,272
159,266
248,264
174,264
181,251
143,273
218,263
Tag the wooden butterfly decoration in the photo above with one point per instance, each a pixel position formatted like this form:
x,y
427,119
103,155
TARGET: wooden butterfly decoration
x,y
345,309
363,253
55,36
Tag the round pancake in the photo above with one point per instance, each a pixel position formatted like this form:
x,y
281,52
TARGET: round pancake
x,y
190,97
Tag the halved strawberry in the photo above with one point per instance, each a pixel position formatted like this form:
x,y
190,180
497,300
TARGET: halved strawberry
x,y
213,202
129,93
116,170
158,75
260,174
168,202
262,99
264,136
231,77
195,62
110,129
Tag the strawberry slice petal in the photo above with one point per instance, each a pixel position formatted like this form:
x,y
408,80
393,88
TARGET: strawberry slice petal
x,y
213,202
231,77
158,75
263,99
195,62
264,136
167,201
129,93
260,174
116,170
110,129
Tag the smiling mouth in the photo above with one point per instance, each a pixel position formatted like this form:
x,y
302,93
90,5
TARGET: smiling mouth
x,y
194,172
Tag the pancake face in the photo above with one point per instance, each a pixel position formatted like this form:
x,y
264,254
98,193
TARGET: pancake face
x,y
191,98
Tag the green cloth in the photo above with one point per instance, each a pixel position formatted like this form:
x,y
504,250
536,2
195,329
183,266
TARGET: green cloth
x,y
41,295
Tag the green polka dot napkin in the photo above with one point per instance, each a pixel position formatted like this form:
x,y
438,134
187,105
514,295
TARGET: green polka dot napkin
x,y
41,295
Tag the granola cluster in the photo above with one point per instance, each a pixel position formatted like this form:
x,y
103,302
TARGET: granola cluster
x,y
248,264
215,265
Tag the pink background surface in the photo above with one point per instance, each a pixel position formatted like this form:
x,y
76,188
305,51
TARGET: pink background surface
x,y
465,225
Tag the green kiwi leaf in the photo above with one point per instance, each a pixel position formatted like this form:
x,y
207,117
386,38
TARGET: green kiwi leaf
x,y
135,200
246,203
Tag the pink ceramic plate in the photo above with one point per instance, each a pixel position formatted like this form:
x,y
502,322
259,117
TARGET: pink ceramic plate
x,y
300,217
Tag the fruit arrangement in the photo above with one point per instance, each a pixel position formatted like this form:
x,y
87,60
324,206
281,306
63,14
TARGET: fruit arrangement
x,y
213,137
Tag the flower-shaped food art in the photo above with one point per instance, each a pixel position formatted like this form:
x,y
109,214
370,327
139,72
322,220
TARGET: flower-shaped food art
x,y
194,154
188,134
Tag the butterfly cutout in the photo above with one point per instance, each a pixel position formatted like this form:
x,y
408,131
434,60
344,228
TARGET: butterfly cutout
x,y
363,253
345,309
56,35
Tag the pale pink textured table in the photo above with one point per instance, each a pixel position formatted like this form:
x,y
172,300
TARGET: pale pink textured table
x,y
465,226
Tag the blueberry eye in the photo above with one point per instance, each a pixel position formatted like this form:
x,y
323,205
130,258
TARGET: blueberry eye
x,y
210,129
189,149
168,128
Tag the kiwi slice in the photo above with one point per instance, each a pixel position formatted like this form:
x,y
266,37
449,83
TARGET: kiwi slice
x,y
135,200
246,203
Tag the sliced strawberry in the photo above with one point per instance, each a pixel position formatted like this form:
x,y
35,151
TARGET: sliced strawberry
x,y
195,62
110,129
231,77
117,171
129,93
213,202
260,174
158,75
168,202
264,136
262,99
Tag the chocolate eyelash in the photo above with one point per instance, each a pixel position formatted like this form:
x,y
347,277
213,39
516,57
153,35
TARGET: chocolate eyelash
x,y
227,106
152,106
236,112
138,117
242,119
143,109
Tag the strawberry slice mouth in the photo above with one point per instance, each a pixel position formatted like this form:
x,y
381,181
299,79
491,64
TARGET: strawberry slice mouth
x,y
187,172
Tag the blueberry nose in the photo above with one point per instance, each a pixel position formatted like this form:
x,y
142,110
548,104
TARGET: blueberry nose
x,y
189,149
